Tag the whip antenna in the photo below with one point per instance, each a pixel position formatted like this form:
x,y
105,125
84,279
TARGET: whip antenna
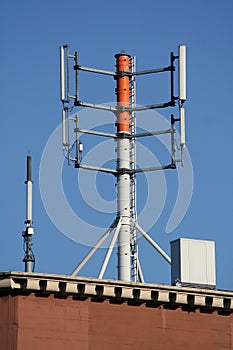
x,y
29,259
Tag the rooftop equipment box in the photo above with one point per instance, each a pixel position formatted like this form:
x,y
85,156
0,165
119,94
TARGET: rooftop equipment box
x,y
193,263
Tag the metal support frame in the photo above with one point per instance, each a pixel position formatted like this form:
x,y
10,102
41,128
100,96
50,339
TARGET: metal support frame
x,y
140,274
129,136
172,60
121,73
110,249
96,246
152,242
128,109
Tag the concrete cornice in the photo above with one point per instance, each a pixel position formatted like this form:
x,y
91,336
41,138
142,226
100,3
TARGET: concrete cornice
x,y
152,295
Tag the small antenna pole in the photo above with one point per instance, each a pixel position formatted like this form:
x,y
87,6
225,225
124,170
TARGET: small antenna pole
x,y
29,259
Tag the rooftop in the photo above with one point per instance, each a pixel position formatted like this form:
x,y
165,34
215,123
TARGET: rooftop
x,y
153,295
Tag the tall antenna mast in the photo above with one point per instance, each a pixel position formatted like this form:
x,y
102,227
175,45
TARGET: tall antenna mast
x,y
125,225
29,259
123,162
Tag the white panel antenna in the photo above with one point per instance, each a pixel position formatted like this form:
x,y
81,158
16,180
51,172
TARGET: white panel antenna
x,y
64,140
182,127
182,73
62,74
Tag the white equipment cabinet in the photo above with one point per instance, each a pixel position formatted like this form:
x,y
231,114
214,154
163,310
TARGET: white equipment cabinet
x,y
193,263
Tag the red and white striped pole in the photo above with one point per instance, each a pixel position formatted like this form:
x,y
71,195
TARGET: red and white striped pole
x,y
123,162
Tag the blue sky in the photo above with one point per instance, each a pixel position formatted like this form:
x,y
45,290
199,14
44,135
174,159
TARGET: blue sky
x,y
31,33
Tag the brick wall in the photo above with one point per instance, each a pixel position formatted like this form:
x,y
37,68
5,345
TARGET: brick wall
x,y
30,322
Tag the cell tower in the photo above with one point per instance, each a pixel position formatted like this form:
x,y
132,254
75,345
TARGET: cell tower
x,y
125,224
